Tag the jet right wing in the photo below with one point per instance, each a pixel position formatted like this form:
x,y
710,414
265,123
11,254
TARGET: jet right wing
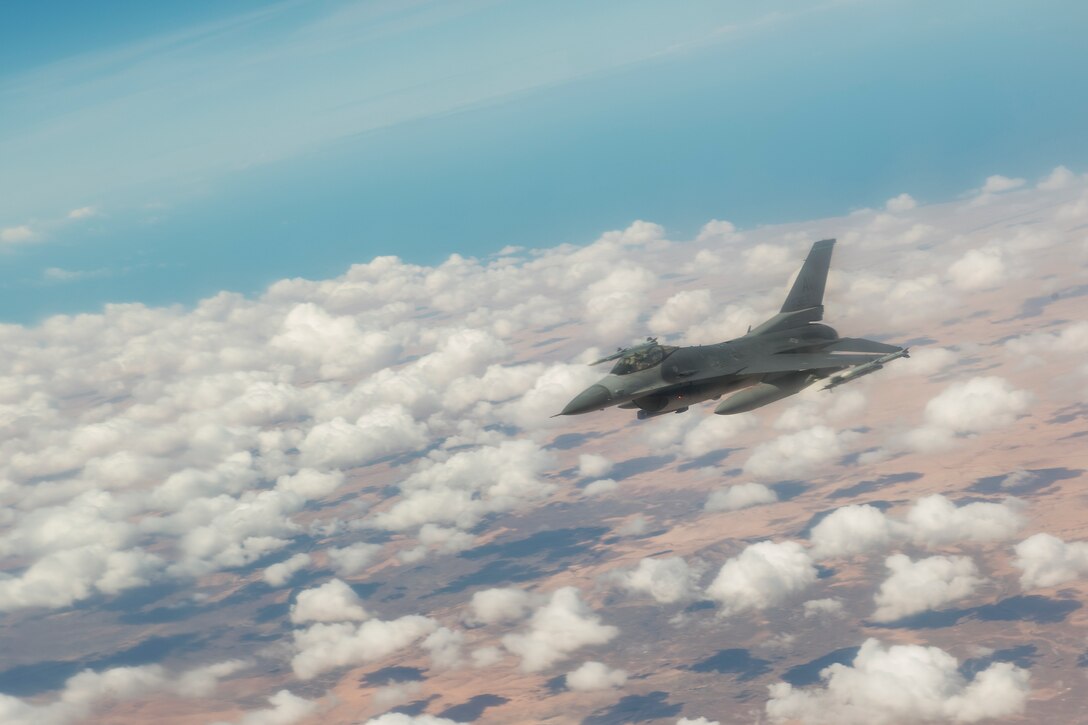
x,y
857,344
798,361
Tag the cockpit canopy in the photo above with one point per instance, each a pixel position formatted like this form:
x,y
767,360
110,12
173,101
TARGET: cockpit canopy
x,y
639,358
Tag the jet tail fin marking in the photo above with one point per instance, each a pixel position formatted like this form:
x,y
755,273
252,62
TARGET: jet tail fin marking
x,y
808,288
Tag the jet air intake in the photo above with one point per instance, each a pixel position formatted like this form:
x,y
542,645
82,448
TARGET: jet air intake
x,y
678,401
763,393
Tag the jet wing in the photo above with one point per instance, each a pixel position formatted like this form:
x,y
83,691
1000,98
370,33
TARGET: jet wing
x,y
797,361
857,344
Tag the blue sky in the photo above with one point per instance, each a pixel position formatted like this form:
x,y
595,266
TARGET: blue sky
x,y
222,146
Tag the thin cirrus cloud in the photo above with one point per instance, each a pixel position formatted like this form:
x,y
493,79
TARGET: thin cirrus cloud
x,y
190,108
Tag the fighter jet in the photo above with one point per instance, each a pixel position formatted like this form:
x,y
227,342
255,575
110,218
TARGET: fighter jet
x,y
779,358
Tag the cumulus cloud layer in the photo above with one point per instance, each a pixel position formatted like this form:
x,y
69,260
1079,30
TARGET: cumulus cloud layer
x,y
763,575
595,676
557,629
506,604
739,496
667,580
323,647
333,601
285,708
84,692
280,573
798,454
931,521
902,684
168,425
973,406
1047,561
167,446
918,586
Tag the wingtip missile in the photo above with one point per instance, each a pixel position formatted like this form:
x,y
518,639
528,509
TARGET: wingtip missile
x,y
864,369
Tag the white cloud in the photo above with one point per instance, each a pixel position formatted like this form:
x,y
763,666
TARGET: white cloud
x,y
1047,561
380,432
396,693
82,212
62,578
486,656
286,708
980,404
506,604
739,496
445,539
979,269
333,601
714,432
323,647
556,630
667,580
717,230
140,443
202,681
445,645
823,608
83,693
924,361
798,454
635,526
550,391
281,572
331,345
1059,178
595,676
901,684
467,485
761,576
354,558
696,721
309,484
898,204
399,718
917,586
591,465
600,488
17,235
931,521
853,529
996,184
769,260
614,303
1072,338
729,322
681,311
59,274
934,520
1074,210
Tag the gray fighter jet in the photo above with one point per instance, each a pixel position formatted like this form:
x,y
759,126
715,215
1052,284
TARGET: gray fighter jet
x,y
779,358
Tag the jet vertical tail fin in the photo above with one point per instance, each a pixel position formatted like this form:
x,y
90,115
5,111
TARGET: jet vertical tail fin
x,y
805,302
808,288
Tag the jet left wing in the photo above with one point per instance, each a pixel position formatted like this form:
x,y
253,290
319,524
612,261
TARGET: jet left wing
x,y
797,361
858,344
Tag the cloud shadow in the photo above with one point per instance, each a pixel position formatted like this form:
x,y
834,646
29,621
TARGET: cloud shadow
x,y
636,708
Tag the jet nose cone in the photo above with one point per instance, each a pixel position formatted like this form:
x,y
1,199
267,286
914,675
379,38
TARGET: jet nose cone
x,y
594,397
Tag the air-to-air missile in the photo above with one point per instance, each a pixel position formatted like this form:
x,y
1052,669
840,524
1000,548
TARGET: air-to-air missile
x,y
862,370
778,358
